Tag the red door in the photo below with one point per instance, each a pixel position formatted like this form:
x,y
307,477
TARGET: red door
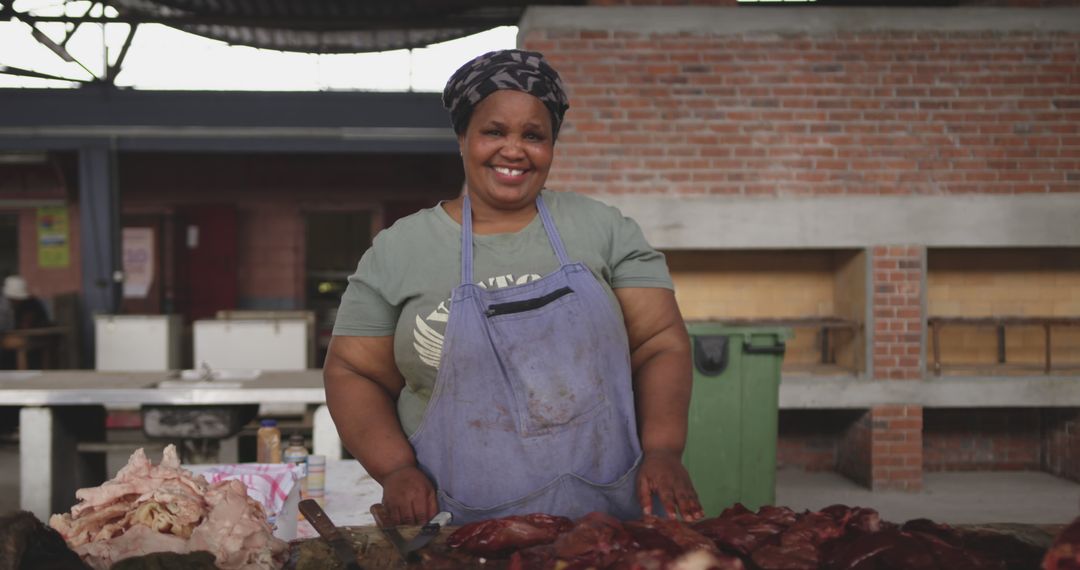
x,y
207,259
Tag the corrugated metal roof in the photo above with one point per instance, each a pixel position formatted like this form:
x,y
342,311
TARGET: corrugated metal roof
x,y
330,26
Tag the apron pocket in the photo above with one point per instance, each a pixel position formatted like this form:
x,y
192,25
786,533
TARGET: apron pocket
x,y
537,501
568,495
549,356
618,498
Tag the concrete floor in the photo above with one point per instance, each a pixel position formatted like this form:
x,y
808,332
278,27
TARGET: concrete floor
x,y
1030,497
968,497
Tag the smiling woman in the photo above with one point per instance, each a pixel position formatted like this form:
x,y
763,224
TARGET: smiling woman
x,y
507,151
540,366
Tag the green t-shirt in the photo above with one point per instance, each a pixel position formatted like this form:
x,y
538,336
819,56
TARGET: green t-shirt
x,y
403,283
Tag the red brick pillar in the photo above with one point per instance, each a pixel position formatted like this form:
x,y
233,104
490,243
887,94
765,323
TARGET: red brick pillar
x,y
898,274
896,454
898,320
883,448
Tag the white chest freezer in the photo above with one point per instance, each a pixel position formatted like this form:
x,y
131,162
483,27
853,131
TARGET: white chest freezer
x,y
133,343
271,344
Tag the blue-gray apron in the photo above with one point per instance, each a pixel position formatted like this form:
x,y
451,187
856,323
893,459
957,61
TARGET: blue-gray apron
x,y
533,407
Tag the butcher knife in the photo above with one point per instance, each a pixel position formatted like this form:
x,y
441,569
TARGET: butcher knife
x,y
408,549
343,548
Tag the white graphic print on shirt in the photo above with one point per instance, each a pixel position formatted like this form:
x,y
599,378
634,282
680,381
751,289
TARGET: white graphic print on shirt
x,y
429,331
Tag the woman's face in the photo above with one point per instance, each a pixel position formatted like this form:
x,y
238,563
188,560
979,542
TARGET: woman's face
x,y
507,150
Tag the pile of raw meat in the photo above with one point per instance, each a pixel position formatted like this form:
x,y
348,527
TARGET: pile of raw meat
x,y
774,538
163,508
1064,554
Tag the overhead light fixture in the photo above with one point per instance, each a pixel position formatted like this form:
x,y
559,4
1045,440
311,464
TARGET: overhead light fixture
x,y
24,157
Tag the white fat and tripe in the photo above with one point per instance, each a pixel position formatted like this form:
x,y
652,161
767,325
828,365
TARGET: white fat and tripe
x,y
165,508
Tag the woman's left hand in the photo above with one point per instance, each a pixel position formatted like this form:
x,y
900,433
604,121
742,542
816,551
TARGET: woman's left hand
x,y
662,474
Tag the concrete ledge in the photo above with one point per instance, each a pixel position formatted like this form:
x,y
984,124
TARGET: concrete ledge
x,y
718,21
710,222
810,393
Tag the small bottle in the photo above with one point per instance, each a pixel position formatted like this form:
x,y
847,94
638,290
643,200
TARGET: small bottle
x,y
316,478
268,443
297,454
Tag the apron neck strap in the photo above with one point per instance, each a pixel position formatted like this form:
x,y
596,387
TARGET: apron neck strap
x,y
466,240
552,231
467,234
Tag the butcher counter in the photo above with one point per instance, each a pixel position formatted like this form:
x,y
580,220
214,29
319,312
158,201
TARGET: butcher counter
x,y
60,409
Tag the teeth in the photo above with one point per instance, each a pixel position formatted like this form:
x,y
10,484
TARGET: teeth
x,y
508,171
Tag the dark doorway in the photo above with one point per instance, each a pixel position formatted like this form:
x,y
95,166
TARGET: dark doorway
x,y
9,244
335,242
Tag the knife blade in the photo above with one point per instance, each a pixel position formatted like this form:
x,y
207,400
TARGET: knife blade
x,y
391,533
343,548
429,531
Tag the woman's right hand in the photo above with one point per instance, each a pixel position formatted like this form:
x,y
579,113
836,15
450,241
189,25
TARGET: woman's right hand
x,y
409,496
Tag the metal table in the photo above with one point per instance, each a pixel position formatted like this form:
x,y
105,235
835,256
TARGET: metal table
x,y
61,408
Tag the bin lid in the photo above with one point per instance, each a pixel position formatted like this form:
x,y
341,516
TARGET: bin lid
x,y
702,328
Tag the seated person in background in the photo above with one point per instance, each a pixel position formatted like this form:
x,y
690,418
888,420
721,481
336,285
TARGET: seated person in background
x,y
20,310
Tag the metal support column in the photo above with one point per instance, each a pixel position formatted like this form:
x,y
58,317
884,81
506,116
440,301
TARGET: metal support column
x,y
99,238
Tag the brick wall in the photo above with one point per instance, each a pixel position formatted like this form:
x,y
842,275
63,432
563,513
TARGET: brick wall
x,y
817,114
1061,442
272,193
896,447
809,440
971,440
896,298
271,254
46,282
882,449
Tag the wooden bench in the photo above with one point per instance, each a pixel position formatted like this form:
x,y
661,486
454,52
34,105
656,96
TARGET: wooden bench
x,y
1001,324
22,341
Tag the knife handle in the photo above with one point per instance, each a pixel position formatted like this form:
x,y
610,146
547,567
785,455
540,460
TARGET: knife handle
x,y
318,519
381,516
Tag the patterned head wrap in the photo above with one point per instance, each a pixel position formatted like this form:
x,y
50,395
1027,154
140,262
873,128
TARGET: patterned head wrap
x,y
505,69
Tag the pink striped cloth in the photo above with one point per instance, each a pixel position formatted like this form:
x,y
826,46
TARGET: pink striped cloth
x,y
267,483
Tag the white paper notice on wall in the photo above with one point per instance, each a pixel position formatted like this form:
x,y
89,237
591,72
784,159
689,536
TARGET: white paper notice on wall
x,y
192,237
138,246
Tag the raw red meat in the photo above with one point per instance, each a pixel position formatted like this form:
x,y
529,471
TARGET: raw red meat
x,y
500,536
812,528
1064,553
774,538
727,535
596,541
797,556
739,531
670,536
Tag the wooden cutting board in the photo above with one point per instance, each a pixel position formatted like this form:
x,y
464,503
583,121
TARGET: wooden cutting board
x,y
376,553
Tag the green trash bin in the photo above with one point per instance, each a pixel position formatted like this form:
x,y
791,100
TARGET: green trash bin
x,y
731,445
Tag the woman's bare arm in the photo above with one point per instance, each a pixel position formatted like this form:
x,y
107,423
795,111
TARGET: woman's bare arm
x,y
362,387
660,359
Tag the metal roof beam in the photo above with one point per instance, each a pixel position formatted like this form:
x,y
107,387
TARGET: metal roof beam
x,y
315,24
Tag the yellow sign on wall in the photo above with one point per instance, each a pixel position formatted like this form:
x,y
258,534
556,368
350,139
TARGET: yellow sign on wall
x,y
54,247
